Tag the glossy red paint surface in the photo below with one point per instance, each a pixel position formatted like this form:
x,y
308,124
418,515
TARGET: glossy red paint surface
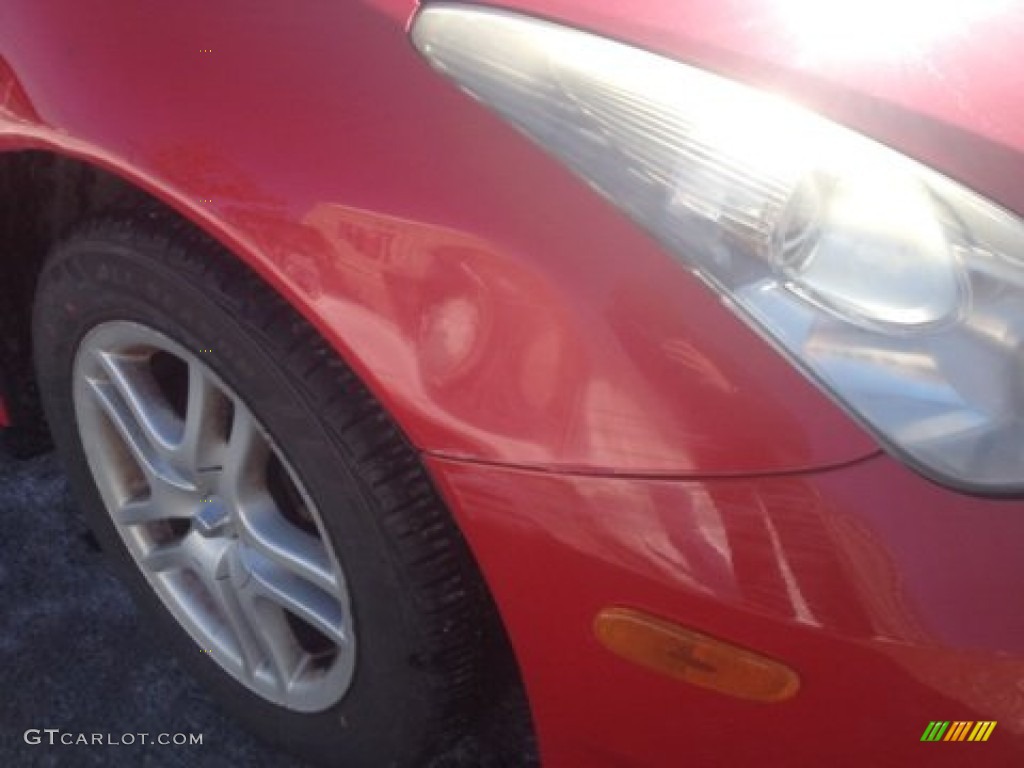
x,y
506,315
889,596
441,253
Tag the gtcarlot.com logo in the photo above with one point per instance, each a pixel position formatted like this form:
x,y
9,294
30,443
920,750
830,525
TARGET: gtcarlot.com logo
x,y
55,736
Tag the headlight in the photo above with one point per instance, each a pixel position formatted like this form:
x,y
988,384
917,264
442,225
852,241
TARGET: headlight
x,y
897,290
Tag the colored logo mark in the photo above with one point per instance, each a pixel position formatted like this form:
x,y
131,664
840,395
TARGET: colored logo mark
x,y
958,730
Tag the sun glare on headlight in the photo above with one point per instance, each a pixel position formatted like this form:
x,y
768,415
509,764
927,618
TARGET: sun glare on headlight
x,y
882,280
879,29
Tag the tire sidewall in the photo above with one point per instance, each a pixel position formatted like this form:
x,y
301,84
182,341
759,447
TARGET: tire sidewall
x,y
90,282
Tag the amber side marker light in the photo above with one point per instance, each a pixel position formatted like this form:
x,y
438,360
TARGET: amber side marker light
x,y
693,657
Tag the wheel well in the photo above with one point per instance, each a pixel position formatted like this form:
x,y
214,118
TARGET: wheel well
x,y
42,195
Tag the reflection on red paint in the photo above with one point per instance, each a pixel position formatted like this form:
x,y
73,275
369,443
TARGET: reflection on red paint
x,y
14,102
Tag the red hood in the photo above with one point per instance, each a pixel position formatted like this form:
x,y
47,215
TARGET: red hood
x,y
937,79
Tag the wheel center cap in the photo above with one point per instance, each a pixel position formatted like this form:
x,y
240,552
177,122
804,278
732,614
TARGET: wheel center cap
x,y
212,519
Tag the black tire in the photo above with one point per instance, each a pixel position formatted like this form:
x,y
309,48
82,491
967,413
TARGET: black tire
x,y
418,600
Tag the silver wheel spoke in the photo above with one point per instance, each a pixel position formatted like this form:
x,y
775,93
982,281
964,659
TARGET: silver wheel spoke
x,y
138,512
299,597
204,416
240,622
140,396
290,548
166,557
135,437
283,654
163,502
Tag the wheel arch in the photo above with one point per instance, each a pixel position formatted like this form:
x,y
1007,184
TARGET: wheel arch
x,y
45,192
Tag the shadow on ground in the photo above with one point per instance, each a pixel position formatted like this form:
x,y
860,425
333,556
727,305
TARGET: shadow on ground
x,y
73,655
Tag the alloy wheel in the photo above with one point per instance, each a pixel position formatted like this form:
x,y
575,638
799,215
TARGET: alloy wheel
x,y
214,516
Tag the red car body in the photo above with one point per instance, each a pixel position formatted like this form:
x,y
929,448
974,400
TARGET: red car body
x,y
605,432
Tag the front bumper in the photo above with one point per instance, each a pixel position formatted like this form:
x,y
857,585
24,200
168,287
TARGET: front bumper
x,y
897,602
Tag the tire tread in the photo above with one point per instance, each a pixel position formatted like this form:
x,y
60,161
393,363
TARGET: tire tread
x,y
445,582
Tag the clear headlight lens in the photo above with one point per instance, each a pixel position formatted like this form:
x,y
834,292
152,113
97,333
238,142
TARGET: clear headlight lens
x,y
896,289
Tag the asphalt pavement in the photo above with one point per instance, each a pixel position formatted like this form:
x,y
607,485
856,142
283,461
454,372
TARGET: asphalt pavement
x,y
75,657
